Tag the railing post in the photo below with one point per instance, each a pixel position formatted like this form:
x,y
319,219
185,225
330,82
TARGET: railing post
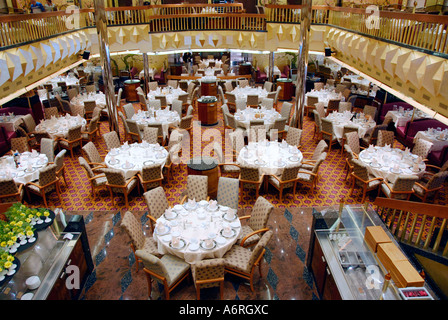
x,y
109,89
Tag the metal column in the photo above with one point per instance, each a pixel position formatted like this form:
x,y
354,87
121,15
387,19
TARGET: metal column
x,y
302,64
109,89
146,72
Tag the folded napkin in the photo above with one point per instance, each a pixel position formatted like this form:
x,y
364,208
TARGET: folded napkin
x,y
374,160
11,114
169,213
419,159
284,144
34,153
371,148
415,167
396,167
227,230
127,164
230,214
191,202
213,204
208,243
160,227
175,241
406,151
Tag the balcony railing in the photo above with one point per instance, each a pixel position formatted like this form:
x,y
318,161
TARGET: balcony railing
x,y
429,32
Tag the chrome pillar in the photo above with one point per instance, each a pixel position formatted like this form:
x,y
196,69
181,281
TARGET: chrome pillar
x,y
302,64
146,71
271,67
109,89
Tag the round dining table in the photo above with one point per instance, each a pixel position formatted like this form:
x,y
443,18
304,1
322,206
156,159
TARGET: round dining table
x,y
242,93
27,171
270,156
324,95
245,116
340,119
204,230
165,116
170,94
99,98
388,163
57,127
131,158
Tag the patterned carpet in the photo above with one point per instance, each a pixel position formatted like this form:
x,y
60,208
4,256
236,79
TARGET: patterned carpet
x,y
331,186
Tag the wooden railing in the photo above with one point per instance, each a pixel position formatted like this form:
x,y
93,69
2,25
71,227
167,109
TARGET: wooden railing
x,y
22,28
418,224
424,31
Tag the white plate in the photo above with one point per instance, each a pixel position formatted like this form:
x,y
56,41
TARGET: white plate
x,y
223,208
166,238
220,240
235,224
193,246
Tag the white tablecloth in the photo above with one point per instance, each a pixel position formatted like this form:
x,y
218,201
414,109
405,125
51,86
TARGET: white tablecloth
x,y
10,123
241,93
130,158
275,72
58,127
171,94
28,171
387,160
439,139
341,119
206,62
99,98
211,71
193,226
69,80
267,157
165,116
150,73
245,116
402,117
356,79
324,95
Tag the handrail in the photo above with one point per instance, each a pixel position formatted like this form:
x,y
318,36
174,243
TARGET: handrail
x,y
407,221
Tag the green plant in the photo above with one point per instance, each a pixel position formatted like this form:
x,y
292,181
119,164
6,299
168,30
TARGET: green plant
x,y
293,59
125,60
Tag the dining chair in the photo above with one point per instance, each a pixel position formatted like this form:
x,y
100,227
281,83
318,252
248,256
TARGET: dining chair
x,y
317,125
186,123
240,104
189,111
401,188
237,138
224,168
150,135
157,204
310,158
330,82
333,105
118,101
197,188
20,144
143,103
125,126
311,176
47,182
163,101
134,131
285,111
250,178
370,111
117,183
60,165
65,106
277,93
129,110
150,176
318,86
92,130
228,192
91,88
168,270
139,241
278,129
243,83
327,133
94,159
183,97
10,191
385,137
286,179
429,189
73,140
97,112
111,140
320,108
153,85
310,104
172,83
72,92
51,112
160,134
252,100
177,106
372,136
231,100
208,273
96,181
242,262
256,132
255,224
351,142
267,85
294,137
47,146
155,104
267,103
89,106
422,148
222,95
77,110
344,106
362,178
29,123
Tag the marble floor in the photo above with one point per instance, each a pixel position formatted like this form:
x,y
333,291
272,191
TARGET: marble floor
x,y
284,273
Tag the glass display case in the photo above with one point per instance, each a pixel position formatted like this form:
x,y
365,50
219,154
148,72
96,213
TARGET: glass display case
x,y
343,265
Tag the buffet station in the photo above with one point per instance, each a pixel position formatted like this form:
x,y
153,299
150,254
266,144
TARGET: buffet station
x,y
44,254
353,256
